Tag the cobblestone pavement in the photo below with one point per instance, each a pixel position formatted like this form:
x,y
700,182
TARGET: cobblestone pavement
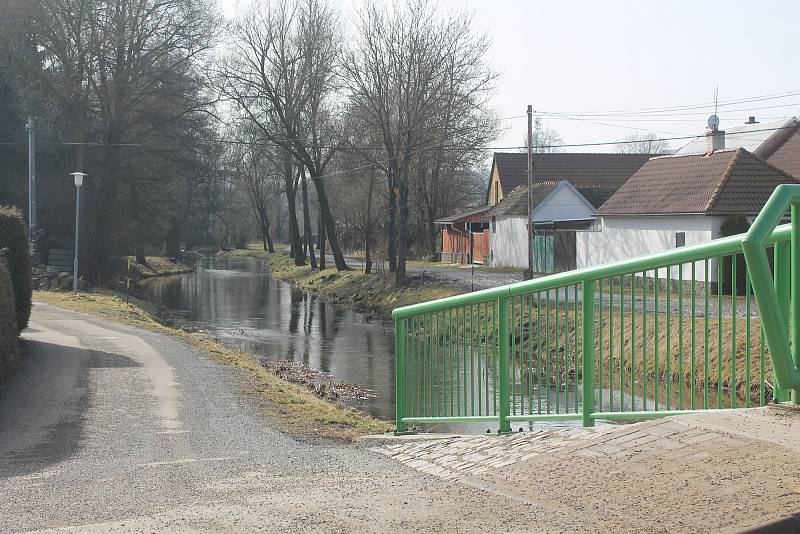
x,y
457,457
705,472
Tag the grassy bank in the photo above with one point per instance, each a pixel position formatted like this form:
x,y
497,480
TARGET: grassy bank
x,y
374,292
294,407
663,349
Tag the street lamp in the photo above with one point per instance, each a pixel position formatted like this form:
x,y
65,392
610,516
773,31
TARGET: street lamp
x,y
78,176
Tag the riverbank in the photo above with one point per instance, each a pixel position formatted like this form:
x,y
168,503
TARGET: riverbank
x,y
296,408
155,266
692,365
376,293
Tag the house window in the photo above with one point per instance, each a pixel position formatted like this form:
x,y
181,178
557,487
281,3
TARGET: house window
x,y
494,225
680,239
496,194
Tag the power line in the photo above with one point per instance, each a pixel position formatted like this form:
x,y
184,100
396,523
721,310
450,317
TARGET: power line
x,y
432,148
684,107
681,114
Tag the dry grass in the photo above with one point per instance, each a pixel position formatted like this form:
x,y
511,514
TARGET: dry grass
x,y
376,292
156,266
296,408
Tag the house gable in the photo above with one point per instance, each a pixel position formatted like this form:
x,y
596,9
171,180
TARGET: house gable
x,y
564,203
495,193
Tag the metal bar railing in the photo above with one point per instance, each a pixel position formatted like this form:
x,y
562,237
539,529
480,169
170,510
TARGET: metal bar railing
x,y
635,339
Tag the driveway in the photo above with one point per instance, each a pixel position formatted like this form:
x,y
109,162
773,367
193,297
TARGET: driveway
x,y
108,428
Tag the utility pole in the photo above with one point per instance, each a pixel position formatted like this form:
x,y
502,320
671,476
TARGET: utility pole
x,y
31,181
530,192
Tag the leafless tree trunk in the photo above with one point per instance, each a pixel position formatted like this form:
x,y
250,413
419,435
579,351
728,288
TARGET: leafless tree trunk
x,y
281,76
307,234
321,243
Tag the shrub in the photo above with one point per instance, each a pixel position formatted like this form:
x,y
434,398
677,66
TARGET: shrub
x,y
8,319
14,236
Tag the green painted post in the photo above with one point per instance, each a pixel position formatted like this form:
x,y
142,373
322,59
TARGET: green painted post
x,y
782,289
795,300
587,364
503,332
400,374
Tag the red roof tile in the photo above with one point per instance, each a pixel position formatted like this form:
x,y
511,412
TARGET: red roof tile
x,y
580,169
722,183
787,156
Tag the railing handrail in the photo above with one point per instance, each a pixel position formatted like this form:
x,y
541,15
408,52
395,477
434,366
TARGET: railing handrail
x,y
717,247
775,286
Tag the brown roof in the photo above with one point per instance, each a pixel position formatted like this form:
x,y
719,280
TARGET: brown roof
x,y
468,215
597,195
516,202
722,183
787,156
581,169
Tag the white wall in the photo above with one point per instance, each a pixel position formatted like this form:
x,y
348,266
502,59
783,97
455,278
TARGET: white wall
x,y
563,205
508,242
622,238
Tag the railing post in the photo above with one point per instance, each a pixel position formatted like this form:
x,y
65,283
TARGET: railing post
x,y
400,374
795,299
782,262
587,357
503,353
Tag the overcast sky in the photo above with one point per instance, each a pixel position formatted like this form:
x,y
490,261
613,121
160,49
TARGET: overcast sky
x,y
573,57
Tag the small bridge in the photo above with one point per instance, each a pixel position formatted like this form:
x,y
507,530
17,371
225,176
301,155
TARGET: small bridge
x,y
695,328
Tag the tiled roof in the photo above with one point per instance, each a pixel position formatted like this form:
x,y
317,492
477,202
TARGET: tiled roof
x,y
597,195
760,138
468,213
787,156
722,183
516,202
580,169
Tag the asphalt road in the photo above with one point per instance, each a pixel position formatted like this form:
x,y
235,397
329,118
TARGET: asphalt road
x,y
107,428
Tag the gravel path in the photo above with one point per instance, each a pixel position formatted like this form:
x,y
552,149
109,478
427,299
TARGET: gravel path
x,y
108,428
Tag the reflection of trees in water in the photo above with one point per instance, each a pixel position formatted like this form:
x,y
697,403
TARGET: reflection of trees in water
x,y
296,298
308,323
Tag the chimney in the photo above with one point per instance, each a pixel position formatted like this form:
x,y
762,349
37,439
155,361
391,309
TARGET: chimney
x,y
751,120
715,140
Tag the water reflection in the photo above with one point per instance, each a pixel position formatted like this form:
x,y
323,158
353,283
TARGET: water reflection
x,y
246,308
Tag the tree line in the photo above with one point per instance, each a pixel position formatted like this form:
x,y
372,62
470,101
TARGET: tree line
x,y
293,121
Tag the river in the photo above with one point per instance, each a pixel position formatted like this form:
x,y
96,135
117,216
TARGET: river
x,y
237,300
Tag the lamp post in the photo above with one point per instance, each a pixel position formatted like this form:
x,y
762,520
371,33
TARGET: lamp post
x,y
78,176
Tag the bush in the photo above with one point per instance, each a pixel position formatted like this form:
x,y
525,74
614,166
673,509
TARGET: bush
x,y
8,319
14,236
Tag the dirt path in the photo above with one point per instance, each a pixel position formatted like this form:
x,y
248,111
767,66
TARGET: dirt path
x,y
107,428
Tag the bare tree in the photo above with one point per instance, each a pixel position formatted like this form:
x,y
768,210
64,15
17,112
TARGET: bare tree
x,y
643,144
408,66
256,175
120,74
281,74
545,140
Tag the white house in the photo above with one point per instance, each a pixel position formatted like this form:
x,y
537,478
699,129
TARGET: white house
x,y
673,201
556,206
590,177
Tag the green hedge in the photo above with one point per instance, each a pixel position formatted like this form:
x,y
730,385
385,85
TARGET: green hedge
x,y
8,321
14,236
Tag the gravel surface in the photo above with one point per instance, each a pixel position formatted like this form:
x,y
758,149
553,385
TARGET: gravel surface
x,y
108,428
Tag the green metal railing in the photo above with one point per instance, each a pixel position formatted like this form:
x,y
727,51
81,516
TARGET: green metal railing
x,y
695,328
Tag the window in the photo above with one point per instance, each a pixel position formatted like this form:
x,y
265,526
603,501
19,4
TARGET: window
x,y
680,239
496,194
494,225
